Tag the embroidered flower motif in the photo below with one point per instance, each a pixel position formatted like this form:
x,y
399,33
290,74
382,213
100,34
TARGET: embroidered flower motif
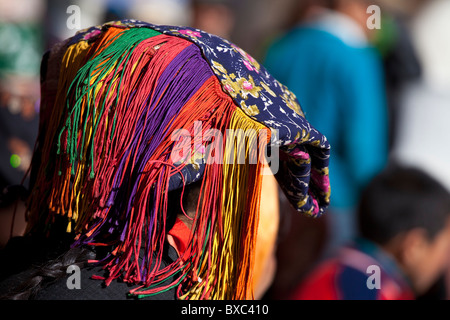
x,y
240,86
229,88
250,63
249,66
248,87
250,110
300,154
291,100
117,23
266,87
92,34
321,178
302,201
190,33
218,68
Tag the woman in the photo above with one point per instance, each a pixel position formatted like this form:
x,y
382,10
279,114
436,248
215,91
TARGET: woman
x,y
134,116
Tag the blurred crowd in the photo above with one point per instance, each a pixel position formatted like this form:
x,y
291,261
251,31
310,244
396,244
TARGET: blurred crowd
x,y
375,82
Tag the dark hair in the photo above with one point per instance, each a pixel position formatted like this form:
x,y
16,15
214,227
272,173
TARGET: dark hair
x,y
49,272
49,257
400,199
33,261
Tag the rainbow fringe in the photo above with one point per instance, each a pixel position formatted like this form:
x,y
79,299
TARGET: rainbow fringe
x,y
106,162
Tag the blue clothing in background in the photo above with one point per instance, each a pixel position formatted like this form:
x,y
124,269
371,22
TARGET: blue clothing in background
x,y
339,83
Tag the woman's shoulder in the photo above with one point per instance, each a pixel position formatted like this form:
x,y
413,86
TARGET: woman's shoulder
x,y
67,277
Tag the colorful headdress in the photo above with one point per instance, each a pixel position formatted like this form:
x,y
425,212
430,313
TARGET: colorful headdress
x,y
131,111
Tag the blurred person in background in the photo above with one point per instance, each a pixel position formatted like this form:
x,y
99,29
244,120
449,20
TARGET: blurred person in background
x,y
400,58
63,18
404,245
66,17
423,132
215,16
425,104
21,48
328,61
165,12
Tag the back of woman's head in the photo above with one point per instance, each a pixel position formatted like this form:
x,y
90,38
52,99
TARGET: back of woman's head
x,y
130,112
